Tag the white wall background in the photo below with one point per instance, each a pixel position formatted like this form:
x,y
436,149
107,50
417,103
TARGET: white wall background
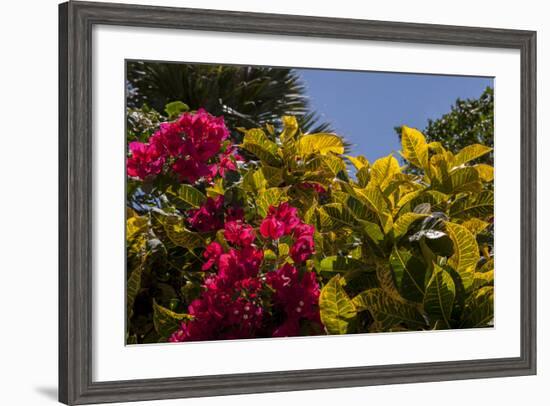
x,y
28,200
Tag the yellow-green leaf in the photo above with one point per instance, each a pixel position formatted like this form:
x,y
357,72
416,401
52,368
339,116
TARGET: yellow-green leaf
x,y
440,295
482,279
290,127
383,170
359,162
322,143
479,308
475,225
256,142
409,271
175,230
188,195
470,153
337,309
466,253
415,149
486,172
165,320
387,311
402,224
480,205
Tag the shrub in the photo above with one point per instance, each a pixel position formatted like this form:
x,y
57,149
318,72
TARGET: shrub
x,y
287,234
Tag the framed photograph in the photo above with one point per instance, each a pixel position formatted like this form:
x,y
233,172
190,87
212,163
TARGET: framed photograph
x,y
260,202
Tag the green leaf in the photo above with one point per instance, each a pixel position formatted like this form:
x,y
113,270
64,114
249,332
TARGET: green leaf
x,y
358,162
410,272
337,263
334,163
470,153
372,230
466,253
463,180
415,149
339,214
475,225
256,142
166,321
175,108
479,308
133,286
440,296
482,279
187,195
322,143
383,170
337,310
254,181
377,203
480,205
290,128
175,230
486,172
387,311
363,176
403,223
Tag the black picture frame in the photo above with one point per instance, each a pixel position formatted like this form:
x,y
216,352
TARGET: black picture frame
x,y
76,20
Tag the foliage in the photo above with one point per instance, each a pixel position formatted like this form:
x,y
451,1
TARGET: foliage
x,y
285,234
470,121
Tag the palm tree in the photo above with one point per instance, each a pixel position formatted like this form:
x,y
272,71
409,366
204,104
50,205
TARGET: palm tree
x,y
245,95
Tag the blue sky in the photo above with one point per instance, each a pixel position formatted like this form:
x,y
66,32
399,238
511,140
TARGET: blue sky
x,y
364,107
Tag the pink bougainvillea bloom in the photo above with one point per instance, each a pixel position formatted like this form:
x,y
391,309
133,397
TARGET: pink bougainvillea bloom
x,y
272,228
302,249
212,254
287,215
204,133
169,139
209,217
303,229
298,297
146,160
234,213
190,170
238,233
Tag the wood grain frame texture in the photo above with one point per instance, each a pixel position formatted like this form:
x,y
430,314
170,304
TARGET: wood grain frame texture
x,y
76,20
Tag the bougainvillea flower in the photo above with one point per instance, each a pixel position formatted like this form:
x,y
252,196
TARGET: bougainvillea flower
x,y
302,249
234,214
238,233
145,161
298,296
168,139
204,133
212,254
303,229
272,228
190,170
209,217
288,215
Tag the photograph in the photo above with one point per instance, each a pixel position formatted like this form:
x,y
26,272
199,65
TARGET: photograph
x,y
268,202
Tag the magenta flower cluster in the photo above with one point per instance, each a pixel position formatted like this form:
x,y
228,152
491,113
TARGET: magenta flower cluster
x,y
240,298
191,146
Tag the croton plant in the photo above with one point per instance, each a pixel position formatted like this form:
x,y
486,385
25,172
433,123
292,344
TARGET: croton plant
x,y
270,232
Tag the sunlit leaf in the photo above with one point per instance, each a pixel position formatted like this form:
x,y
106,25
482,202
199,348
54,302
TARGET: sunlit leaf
x,y
470,153
466,253
337,309
440,295
415,149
